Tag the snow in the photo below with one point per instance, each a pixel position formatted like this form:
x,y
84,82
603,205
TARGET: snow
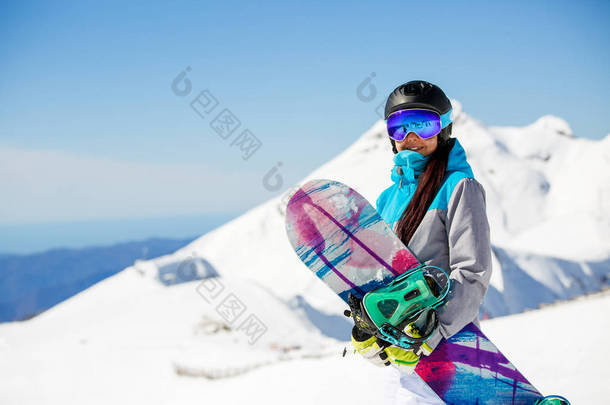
x,y
143,336
113,360
561,349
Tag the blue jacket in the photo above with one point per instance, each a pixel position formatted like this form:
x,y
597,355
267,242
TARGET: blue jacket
x,y
453,235
393,200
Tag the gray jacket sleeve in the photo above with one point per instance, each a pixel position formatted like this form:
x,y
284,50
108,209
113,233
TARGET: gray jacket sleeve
x,y
469,258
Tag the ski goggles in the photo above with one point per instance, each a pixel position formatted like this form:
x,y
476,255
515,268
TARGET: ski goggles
x,y
425,123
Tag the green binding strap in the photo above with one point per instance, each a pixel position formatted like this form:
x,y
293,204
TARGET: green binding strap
x,y
405,297
394,307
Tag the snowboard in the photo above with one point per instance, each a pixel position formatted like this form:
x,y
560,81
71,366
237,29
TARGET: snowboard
x,y
341,238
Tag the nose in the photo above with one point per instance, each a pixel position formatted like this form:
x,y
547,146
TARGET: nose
x,y
411,137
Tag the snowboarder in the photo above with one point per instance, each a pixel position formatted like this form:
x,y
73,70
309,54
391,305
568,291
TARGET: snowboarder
x,y
437,208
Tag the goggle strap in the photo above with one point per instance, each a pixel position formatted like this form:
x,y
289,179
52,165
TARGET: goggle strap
x,y
446,118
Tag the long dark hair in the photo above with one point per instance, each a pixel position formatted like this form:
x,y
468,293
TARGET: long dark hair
x,y
430,181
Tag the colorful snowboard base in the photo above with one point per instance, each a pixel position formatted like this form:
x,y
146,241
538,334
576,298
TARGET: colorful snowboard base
x,y
344,241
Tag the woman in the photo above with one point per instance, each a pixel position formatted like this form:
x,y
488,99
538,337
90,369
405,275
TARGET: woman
x,y
437,208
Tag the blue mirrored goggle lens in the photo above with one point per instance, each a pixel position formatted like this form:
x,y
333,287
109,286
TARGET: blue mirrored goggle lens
x,y
424,123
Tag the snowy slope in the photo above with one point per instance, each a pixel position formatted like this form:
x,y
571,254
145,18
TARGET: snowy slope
x,y
129,355
144,336
128,337
547,346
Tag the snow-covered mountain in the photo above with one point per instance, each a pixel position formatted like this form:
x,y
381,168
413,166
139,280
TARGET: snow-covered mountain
x,y
145,334
548,199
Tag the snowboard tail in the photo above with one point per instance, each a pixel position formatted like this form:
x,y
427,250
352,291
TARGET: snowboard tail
x,y
469,368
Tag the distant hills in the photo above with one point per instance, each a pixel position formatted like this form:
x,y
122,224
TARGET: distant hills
x,y
30,284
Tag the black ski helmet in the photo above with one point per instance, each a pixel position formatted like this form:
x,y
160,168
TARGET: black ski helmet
x,y
419,94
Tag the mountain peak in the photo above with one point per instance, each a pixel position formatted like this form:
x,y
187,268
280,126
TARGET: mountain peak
x,y
553,125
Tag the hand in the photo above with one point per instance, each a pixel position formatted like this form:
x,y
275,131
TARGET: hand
x,y
381,353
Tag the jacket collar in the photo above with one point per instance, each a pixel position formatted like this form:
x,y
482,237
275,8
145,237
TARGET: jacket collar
x,y
408,165
457,160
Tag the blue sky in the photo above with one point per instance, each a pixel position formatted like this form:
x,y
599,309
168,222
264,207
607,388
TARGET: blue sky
x,y
90,128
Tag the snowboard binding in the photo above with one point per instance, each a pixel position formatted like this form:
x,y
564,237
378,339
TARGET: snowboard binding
x,y
552,400
403,313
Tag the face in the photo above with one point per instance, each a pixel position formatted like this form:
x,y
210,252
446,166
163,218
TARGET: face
x,y
413,142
